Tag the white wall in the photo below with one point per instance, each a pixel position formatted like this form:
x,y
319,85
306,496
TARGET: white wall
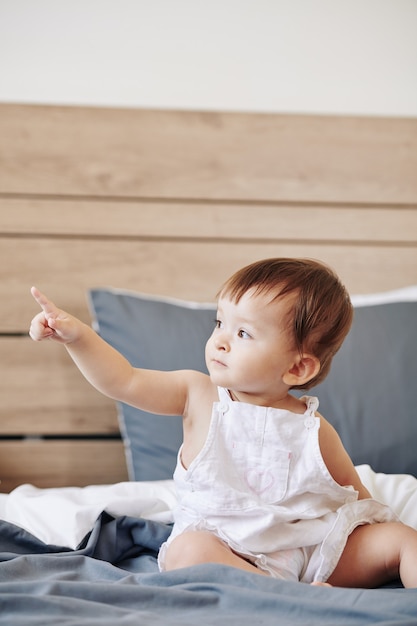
x,y
314,56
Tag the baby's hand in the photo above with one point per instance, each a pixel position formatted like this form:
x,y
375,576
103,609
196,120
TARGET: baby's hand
x,y
53,323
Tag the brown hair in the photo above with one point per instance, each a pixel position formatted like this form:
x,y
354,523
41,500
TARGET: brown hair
x,y
322,312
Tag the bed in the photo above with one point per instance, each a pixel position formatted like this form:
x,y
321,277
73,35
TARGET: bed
x,y
131,219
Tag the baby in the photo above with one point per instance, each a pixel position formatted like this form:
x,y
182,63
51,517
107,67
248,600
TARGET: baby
x,y
264,483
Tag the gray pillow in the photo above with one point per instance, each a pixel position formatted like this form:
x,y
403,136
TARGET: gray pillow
x,y
369,395
153,333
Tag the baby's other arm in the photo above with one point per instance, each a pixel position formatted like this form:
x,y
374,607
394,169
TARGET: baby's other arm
x,y
105,368
338,461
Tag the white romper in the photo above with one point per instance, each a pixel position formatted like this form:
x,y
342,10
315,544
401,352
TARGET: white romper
x,y
261,485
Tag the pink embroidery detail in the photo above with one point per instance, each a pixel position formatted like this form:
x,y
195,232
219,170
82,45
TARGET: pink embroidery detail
x,y
259,480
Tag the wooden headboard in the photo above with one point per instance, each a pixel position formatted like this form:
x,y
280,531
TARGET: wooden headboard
x,y
171,203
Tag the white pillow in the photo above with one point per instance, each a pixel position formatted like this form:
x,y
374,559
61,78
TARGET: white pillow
x,y
399,491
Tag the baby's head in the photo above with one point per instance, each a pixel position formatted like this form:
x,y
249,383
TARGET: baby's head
x,y
321,314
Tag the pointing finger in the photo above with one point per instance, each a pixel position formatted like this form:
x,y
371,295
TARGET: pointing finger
x,y
47,306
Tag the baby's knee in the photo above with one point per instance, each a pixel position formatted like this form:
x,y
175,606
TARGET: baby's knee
x,y
176,552
400,535
191,548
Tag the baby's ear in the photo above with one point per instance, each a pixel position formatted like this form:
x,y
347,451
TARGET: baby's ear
x,y
305,368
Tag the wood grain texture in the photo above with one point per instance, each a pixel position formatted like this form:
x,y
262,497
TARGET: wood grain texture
x,y
62,463
44,393
172,154
141,219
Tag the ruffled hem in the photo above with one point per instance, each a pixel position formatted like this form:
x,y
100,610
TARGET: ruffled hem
x,y
348,517
323,556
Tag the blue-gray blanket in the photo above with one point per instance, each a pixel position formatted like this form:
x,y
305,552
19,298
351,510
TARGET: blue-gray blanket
x,y
112,579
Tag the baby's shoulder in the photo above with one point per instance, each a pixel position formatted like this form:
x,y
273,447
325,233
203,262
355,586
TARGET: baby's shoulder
x,y
201,393
328,436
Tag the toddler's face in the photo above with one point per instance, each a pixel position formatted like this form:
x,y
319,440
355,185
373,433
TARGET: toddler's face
x,y
251,346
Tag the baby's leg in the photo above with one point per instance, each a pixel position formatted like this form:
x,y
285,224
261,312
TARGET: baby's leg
x,y
195,547
376,554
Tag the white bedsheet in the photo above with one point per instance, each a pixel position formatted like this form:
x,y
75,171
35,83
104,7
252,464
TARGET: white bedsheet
x,y
65,515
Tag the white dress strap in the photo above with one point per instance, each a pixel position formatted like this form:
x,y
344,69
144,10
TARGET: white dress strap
x,y
312,404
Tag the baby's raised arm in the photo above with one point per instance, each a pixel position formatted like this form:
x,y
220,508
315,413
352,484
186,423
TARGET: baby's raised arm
x,y
105,368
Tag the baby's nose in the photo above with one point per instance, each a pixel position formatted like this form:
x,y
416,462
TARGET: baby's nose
x,y
221,342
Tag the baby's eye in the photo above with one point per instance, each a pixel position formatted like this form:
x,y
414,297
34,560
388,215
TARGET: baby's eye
x,y
243,334
217,323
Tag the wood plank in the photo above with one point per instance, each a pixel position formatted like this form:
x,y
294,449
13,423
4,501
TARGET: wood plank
x,y
43,392
61,463
202,220
172,154
66,269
